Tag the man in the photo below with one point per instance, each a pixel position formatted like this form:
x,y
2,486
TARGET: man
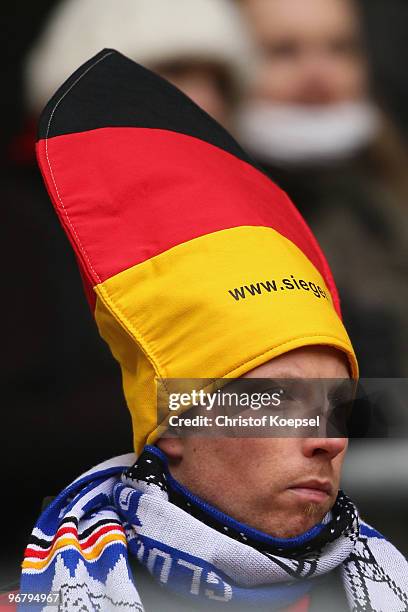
x,y
196,266
312,121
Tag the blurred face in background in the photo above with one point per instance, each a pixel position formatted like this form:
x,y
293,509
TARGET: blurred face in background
x,y
310,51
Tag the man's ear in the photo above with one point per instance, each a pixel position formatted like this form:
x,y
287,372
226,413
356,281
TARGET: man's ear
x,y
172,447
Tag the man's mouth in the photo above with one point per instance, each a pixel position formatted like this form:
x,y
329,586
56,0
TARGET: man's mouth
x,y
316,491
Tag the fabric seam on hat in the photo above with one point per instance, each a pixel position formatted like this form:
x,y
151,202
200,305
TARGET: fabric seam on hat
x,y
122,318
129,328
277,347
83,251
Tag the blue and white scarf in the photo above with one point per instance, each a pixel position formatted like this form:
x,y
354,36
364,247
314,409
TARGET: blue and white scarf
x,y
83,544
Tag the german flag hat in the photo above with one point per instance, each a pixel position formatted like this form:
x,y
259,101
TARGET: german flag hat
x,y
195,263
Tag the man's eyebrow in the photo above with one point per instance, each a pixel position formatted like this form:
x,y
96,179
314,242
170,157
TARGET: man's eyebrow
x,y
288,374
285,374
336,385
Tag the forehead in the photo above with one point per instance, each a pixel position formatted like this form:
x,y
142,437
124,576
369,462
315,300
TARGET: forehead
x,y
277,18
307,362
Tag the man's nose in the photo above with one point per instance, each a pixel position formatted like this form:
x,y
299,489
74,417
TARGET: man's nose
x,y
331,447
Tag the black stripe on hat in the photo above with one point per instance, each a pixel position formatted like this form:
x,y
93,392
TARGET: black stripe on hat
x,y
111,90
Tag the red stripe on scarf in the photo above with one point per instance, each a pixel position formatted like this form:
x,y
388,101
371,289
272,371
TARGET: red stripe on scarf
x,y
42,554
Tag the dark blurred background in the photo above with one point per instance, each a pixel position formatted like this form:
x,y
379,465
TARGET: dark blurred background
x,y
385,22
62,401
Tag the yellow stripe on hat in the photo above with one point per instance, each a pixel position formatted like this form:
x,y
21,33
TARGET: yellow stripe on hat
x,y
216,306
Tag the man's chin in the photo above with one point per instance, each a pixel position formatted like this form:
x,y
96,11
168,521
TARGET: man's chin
x,y
298,517
297,524
307,515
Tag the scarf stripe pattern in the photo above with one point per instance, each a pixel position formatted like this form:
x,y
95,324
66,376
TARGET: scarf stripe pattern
x,y
85,540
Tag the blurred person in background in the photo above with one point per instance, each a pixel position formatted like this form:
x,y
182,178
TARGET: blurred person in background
x,y
311,121
201,46
55,357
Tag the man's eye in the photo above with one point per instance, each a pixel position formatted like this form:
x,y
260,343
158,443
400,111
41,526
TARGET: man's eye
x,y
284,393
342,397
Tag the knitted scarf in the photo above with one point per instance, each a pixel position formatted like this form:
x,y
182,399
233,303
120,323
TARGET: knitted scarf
x,y
84,541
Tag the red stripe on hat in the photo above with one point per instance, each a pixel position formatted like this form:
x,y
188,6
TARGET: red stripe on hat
x,y
125,195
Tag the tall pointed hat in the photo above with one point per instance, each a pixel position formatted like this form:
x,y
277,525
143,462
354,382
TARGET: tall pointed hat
x,y
195,263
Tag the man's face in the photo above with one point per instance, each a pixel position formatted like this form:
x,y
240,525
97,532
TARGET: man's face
x,y
310,51
272,484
